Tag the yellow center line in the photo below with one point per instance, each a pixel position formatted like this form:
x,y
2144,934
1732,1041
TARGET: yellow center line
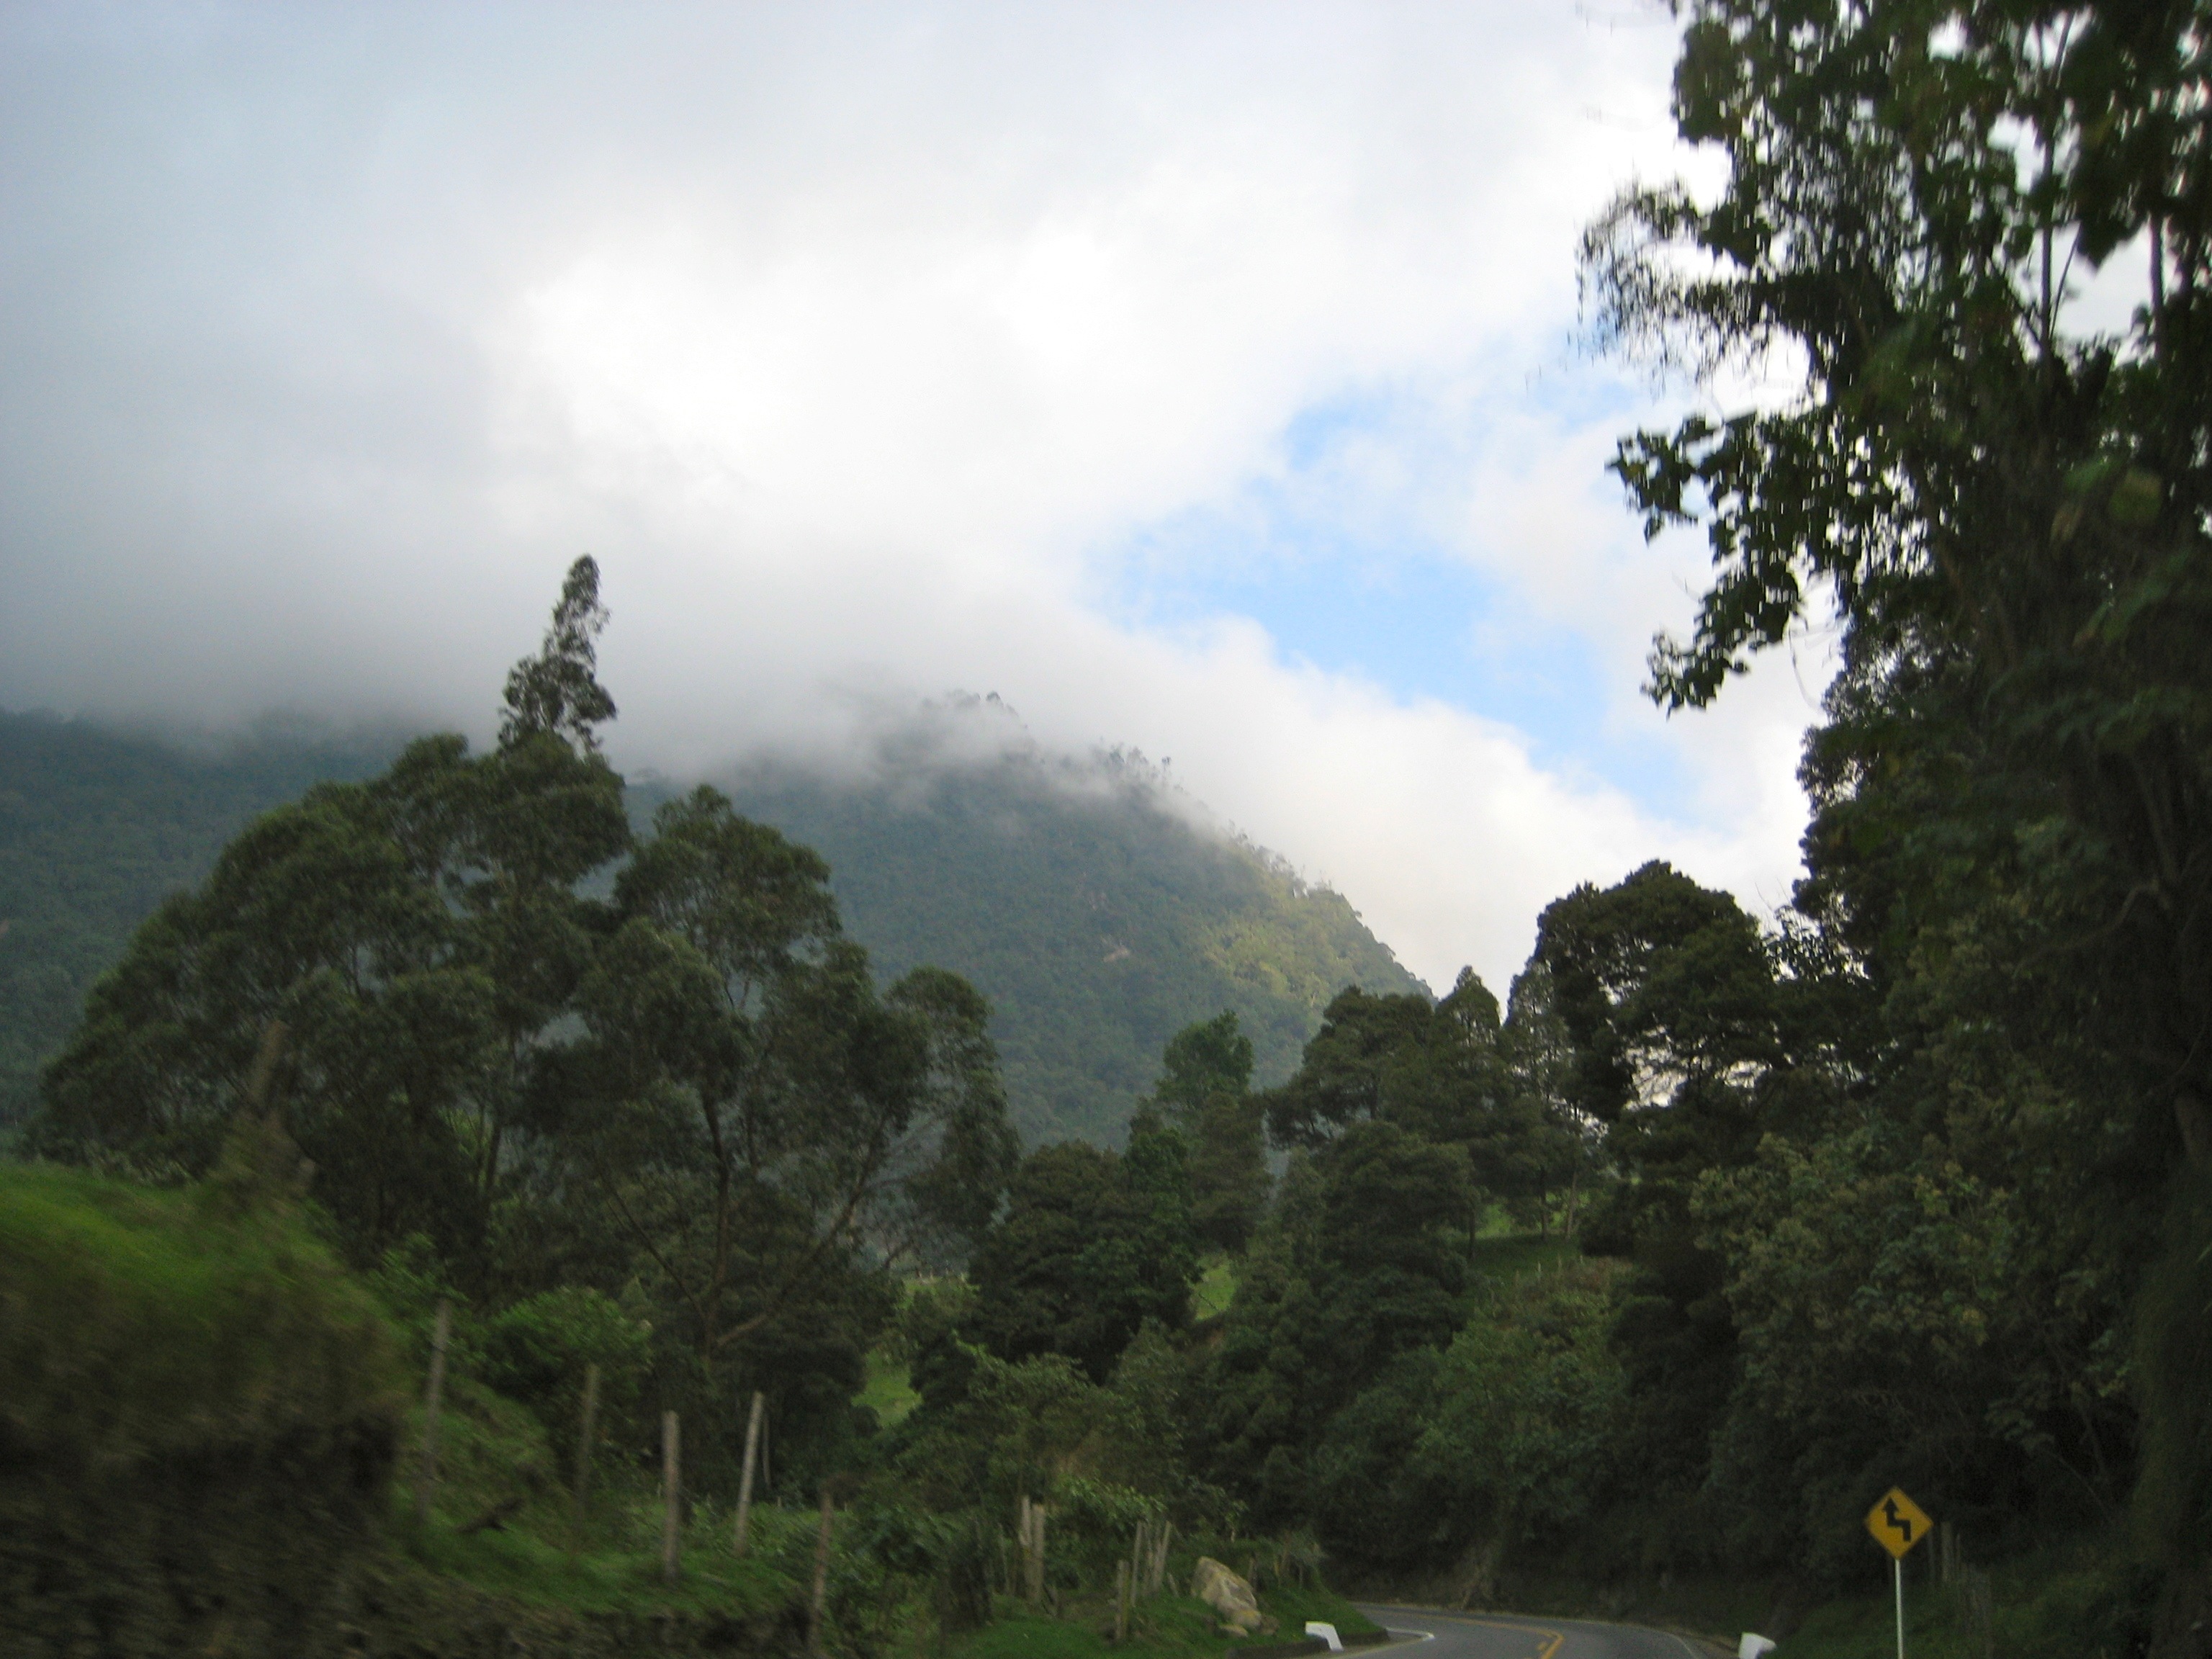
x,y
1544,1652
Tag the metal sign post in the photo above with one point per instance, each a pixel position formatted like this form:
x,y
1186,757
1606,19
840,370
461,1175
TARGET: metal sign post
x,y
1897,1525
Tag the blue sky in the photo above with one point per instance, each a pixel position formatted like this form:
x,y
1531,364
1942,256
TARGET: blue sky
x,y
1361,580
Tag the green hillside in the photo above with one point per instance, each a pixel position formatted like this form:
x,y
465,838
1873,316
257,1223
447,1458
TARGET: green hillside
x,y
1094,916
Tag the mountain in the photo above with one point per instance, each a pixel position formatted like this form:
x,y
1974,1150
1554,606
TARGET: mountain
x,y
1092,902
1086,902
96,828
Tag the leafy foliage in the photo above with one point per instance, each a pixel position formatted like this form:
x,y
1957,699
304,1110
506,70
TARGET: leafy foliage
x,y
2010,859
1092,1245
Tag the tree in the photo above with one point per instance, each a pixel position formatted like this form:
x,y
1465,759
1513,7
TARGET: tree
x,y
1508,1436
1440,1072
1206,1059
1206,1089
1666,998
1343,1074
753,1109
1091,1245
313,921
1363,1260
2009,516
557,692
418,937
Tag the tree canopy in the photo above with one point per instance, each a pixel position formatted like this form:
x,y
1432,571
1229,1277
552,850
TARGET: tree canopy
x,y
689,1087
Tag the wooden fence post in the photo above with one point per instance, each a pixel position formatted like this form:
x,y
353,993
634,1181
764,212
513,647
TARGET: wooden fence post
x,y
746,1477
671,1485
1036,1554
586,1428
426,1481
817,1604
1121,1577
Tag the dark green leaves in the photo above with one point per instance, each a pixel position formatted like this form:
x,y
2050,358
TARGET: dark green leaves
x,y
557,692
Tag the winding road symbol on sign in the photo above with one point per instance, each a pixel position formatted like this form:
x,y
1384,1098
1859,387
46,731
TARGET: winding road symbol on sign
x,y
1898,1523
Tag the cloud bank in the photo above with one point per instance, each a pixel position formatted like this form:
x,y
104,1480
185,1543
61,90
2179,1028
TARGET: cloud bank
x,y
1199,379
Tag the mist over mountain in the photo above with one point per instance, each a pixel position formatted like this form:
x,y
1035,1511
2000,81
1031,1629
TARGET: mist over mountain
x,y
1095,904
1089,898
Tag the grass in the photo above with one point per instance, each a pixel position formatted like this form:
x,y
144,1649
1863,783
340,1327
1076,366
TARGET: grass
x,y
141,1320
1510,1256
1216,1288
537,1573
492,1451
889,1391
2080,1604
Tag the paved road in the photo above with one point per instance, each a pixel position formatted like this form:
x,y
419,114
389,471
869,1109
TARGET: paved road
x,y
1505,1635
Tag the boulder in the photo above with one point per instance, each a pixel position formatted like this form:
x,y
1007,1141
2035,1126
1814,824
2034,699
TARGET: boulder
x,y
1230,1596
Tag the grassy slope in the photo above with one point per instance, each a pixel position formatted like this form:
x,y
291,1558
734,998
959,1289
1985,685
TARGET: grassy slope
x,y
493,1453
1215,1290
2065,1604
141,1324
888,1393
138,1322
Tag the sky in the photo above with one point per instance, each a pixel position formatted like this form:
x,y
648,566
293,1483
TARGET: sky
x,y
1203,378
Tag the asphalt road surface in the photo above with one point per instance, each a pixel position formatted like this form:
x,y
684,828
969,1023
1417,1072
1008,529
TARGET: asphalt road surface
x,y
1505,1636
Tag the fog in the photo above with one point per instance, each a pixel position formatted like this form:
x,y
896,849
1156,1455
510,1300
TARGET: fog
x,y
1115,360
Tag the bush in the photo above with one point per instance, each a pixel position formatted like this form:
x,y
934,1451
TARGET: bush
x,y
535,1352
197,1414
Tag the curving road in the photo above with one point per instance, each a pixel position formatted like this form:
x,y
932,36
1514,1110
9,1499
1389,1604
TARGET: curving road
x,y
1505,1636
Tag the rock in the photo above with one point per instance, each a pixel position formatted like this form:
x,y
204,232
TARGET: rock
x,y
1230,1596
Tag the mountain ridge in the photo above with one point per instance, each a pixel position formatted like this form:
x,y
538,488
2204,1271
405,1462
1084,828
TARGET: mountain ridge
x,y
1097,905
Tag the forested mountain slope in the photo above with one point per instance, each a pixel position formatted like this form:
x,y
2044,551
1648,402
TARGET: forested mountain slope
x,y
96,828
1094,914
1096,918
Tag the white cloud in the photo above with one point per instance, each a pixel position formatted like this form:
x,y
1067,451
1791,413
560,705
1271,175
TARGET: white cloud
x,y
859,344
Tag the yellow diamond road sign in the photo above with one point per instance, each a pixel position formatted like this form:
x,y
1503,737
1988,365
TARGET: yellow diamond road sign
x,y
1898,1523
